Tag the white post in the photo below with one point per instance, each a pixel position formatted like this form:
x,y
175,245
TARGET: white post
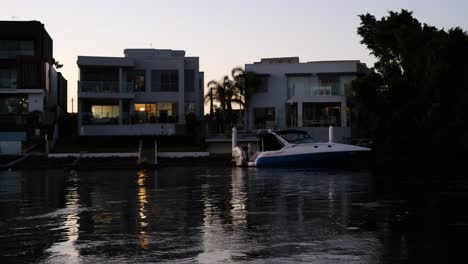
x,y
330,134
46,144
155,152
300,117
139,151
121,80
234,137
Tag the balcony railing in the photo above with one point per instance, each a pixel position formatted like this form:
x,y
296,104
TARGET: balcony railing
x,y
320,122
323,90
87,118
11,54
105,87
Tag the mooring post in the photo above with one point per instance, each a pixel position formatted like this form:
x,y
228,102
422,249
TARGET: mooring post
x,y
46,144
139,151
330,134
249,151
234,137
155,152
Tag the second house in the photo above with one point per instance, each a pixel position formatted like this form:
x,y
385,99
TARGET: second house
x,y
147,92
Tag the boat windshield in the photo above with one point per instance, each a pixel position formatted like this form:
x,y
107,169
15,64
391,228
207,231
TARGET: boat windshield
x,y
297,138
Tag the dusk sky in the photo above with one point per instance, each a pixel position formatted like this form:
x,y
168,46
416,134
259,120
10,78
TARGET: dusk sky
x,y
223,34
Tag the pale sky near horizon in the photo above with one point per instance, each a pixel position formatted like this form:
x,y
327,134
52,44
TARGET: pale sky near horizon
x,y
224,34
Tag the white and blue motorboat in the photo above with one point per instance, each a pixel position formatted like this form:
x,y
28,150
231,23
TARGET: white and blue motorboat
x,y
295,148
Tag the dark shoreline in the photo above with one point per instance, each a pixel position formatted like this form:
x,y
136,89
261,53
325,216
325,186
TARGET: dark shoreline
x,y
130,163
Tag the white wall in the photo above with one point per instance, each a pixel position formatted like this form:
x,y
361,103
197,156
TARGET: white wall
x,y
36,102
10,147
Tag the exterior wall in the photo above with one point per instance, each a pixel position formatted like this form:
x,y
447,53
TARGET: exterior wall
x,y
52,94
62,94
36,102
201,94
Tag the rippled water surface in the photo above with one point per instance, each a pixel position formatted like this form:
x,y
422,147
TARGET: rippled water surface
x,y
187,215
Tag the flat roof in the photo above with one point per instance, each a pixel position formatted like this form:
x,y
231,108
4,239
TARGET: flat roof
x,y
105,61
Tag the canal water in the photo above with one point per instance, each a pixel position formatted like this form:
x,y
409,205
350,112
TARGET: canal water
x,y
196,215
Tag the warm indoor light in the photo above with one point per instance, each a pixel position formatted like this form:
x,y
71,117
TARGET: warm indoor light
x,y
141,109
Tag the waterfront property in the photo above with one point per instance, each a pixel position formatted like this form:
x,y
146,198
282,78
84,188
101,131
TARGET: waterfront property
x,y
309,95
146,92
33,95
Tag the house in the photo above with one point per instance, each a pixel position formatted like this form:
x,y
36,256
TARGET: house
x,y
146,92
308,95
33,95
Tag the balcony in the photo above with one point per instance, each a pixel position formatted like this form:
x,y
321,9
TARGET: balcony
x,y
87,118
322,90
17,122
87,89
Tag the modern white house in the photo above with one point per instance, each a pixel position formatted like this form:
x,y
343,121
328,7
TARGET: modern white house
x,y
307,95
146,92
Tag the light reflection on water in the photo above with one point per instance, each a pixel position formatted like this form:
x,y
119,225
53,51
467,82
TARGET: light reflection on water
x,y
186,215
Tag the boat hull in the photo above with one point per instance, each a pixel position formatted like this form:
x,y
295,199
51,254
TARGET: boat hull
x,y
336,159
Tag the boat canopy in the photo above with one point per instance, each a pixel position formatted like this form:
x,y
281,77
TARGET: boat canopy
x,y
295,136
269,141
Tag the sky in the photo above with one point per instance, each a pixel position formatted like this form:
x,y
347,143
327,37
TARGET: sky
x,y
224,34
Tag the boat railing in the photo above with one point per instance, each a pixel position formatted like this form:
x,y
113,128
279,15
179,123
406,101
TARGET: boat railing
x,y
362,142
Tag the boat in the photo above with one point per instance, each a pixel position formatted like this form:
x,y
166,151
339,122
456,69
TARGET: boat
x,y
295,148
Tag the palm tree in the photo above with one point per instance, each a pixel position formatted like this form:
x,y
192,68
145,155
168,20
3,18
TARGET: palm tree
x,y
230,96
209,96
223,93
245,84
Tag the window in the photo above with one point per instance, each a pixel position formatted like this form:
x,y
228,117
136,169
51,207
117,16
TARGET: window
x,y
264,117
299,86
189,107
15,104
269,142
347,89
164,81
9,49
145,113
330,83
7,78
321,114
167,112
263,85
105,114
139,83
189,80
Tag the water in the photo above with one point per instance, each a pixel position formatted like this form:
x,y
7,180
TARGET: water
x,y
196,215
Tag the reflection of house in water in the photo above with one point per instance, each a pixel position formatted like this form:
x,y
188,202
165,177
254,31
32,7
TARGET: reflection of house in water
x,y
35,201
179,210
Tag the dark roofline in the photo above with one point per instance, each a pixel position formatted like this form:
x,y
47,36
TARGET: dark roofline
x,y
299,74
